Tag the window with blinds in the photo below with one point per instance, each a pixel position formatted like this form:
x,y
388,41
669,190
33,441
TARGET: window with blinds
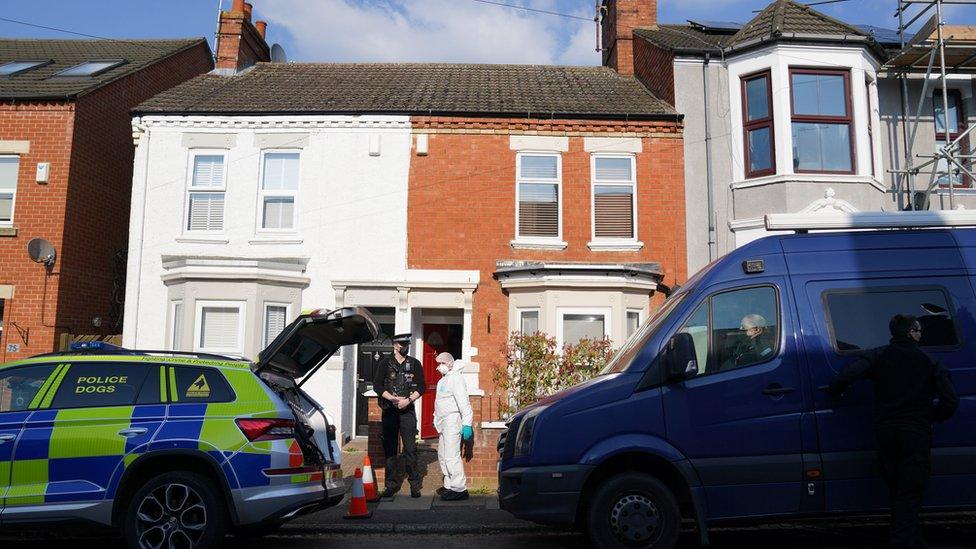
x,y
279,189
538,196
613,197
9,166
177,341
275,317
220,329
205,201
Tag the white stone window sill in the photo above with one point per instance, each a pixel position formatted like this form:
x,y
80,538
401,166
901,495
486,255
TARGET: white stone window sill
x,y
282,239
187,239
493,425
615,245
526,244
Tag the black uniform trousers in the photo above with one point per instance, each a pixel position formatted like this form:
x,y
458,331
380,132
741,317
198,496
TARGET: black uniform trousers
x,y
401,424
905,456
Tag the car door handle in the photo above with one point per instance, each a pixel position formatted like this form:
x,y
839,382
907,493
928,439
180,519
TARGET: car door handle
x,y
7,438
776,390
134,432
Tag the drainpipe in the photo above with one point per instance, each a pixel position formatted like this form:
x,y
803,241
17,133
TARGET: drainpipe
x,y
712,252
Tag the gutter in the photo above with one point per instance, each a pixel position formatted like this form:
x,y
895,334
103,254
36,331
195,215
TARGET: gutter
x,y
626,117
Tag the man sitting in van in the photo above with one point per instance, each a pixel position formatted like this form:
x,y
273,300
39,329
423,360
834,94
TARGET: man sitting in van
x,y
754,347
906,384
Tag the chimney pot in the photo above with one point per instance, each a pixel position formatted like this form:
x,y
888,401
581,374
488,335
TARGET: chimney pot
x,y
262,27
238,6
248,8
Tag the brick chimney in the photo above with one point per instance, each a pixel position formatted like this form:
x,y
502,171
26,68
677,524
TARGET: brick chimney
x,y
240,43
620,18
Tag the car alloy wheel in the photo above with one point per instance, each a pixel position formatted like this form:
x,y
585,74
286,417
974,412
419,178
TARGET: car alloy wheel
x,y
172,516
635,520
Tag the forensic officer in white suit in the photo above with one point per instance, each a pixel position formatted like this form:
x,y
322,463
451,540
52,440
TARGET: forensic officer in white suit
x,y
452,419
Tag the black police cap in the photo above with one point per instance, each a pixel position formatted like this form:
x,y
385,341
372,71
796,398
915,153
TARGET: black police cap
x,y
402,338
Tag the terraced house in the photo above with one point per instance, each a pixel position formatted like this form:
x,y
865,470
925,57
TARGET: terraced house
x,y
456,202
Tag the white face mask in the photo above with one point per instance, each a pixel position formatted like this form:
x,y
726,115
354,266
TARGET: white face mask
x,y
443,369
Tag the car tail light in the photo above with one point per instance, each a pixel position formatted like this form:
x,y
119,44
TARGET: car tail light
x,y
266,429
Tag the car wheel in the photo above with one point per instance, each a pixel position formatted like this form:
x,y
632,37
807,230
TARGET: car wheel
x,y
634,510
178,509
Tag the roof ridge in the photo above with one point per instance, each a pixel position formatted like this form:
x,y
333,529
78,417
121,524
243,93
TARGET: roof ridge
x,y
754,22
828,18
423,64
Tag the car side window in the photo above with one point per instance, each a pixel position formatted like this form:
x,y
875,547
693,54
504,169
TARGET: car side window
x,y
734,329
100,384
198,385
20,387
858,319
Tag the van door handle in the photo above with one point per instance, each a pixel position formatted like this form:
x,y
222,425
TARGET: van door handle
x,y
7,438
777,390
134,432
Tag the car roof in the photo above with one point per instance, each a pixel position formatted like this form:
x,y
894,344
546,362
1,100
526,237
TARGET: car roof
x,y
154,358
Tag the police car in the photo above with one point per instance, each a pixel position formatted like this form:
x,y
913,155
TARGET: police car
x,y
175,449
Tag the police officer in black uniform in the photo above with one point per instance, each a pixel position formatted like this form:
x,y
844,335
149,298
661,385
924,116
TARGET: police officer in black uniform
x,y
399,383
907,383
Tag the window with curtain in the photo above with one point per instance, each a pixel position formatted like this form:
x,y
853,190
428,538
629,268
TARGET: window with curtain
x,y
538,196
577,326
822,121
9,166
275,319
633,322
757,124
956,119
279,190
614,184
528,322
205,211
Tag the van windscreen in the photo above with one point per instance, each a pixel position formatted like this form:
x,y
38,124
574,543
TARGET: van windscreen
x,y
622,359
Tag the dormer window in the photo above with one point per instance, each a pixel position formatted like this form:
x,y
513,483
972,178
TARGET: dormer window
x,y
13,68
821,107
91,68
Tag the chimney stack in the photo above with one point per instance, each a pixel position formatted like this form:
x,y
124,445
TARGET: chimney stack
x,y
241,43
620,18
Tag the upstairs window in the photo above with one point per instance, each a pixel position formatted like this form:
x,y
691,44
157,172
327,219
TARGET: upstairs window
x,y
537,214
205,210
279,189
956,118
821,104
14,68
614,187
757,122
9,166
91,68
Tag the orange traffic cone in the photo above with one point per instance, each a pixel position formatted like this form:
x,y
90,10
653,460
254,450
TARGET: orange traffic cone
x,y
357,503
369,482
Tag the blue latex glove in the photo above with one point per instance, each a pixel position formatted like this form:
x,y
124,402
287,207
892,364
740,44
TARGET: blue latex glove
x,y
467,432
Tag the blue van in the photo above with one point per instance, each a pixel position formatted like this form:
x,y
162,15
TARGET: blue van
x,y
690,420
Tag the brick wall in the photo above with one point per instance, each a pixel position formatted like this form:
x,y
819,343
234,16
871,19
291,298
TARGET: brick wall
x,y
654,67
83,209
469,174
619,21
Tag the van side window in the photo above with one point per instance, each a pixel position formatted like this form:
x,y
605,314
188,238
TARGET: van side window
x,y
99,384
735,329
19,387
858,319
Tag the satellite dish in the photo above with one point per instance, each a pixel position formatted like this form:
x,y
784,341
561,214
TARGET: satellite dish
x,y
278,54
41,251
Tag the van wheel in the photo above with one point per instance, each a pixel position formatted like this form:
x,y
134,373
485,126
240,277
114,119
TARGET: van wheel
x,y
178,509
634,510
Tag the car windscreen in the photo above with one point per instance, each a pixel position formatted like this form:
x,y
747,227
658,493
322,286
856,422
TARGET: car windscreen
x,y
623,358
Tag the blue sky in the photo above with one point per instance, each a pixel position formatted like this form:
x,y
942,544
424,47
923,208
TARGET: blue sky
x,y
399,30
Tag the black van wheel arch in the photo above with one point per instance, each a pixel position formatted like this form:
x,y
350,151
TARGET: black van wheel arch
x,y
177,504
633,510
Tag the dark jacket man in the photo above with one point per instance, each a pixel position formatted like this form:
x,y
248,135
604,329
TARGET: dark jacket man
x,y
399,382
907,383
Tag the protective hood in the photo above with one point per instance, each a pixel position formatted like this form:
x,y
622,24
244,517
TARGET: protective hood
x,y
313,338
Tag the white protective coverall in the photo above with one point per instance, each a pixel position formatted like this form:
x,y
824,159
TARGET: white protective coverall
x,y
452,410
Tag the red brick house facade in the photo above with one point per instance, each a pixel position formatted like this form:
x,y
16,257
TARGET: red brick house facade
x,y
79,127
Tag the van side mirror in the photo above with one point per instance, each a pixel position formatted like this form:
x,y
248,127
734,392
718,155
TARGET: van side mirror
x,y
680,359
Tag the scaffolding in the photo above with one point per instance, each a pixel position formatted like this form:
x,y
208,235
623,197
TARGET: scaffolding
x,y
938,53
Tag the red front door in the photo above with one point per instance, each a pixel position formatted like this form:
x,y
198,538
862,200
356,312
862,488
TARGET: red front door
x,y
435,342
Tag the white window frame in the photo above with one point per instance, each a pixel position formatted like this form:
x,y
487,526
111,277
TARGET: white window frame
x,y
544,241
520,312
262,194
633,205
194,153
241,324
264,319
12,192
640,320
561,313
176,324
